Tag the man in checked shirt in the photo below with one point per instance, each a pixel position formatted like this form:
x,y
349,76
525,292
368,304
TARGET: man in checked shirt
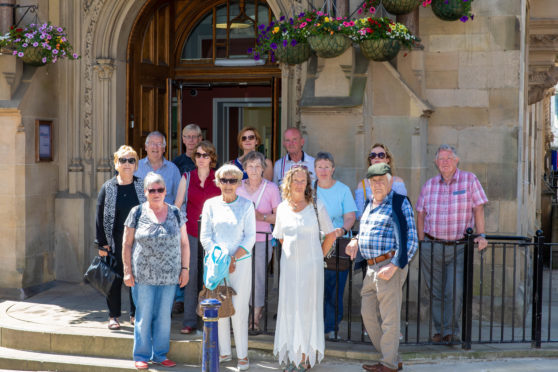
x,y
387,239
448,204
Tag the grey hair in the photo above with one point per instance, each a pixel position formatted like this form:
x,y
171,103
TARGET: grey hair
x,y
156,133
323,155
254,155
152,178
228,170
192,128
445,147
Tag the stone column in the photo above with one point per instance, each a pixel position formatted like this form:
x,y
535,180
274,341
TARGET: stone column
x,y
6,15
104,68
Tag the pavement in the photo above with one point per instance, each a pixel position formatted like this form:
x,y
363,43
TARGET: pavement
x,y
65,327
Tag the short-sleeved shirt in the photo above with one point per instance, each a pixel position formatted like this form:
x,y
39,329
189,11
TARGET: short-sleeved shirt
x,y
269,200
338,200
156,253
197,195
184,163
448,207
283,165
168,171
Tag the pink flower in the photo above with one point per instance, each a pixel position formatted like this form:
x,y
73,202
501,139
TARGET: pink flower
x,y
303,24
425,3
372,9
360,11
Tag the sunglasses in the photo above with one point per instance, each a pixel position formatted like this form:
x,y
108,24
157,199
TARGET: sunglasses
x,y
380,155
200,155
159,190
248,138
230,181
129,160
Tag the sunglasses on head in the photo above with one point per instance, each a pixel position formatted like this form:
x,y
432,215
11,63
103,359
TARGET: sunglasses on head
x,y
129,160
299,166
159,190
230,181
200,155
380,155
249,138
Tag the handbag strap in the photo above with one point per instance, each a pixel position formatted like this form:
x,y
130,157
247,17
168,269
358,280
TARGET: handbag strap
x,y
187,176
261,194
364,189
315,204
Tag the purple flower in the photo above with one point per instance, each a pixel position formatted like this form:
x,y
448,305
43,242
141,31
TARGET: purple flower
x,y
472,17
14,52
257,56
63,39
464,18
44,60
285,43
249,51
49,37
301,15
55,51
282,18
75,56
59,29
261,27
273,46
35,44
17,40
291,21
54,60
293,42
25,45
20,54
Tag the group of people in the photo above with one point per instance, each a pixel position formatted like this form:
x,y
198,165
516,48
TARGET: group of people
x,y
147,219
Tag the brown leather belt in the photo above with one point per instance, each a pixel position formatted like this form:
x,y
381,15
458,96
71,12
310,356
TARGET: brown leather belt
x,y
445,242
377,260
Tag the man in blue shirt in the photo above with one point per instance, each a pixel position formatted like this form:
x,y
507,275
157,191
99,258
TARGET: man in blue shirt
x,y
387,240
191,137
155,145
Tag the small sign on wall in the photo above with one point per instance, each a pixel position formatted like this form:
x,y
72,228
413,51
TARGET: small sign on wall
x,y
43,140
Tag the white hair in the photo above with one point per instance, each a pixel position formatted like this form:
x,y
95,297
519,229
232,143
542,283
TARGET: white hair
x,y
152,178
155,134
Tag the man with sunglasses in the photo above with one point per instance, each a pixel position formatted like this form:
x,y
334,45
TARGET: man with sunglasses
x,y
191,136
155,145
448,205
293,143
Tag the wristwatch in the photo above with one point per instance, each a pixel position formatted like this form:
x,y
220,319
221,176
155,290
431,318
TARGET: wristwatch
x,y
483,235
344,230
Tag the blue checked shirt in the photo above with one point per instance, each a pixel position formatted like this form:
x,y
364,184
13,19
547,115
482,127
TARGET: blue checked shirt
x,y
377,233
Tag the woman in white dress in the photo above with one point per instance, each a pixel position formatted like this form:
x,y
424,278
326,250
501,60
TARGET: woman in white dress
x,y
299,334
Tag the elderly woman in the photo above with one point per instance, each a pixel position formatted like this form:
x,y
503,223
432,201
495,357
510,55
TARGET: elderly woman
x,y
265,196
116,198
199,185
248,140
229,222
299,334
379,153
340,205
156,257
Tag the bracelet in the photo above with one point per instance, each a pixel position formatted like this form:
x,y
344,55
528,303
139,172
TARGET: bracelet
x,y
185,268
344,230
483,235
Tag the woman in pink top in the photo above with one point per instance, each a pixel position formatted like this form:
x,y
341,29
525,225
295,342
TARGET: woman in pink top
x,y
194,189
266,197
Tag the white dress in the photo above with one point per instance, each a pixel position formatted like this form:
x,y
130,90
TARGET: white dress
x,y
300,320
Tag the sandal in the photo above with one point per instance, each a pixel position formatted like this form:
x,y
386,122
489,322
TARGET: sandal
x,y
225,358
113,324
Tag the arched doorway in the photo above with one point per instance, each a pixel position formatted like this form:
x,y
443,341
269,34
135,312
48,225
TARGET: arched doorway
x,y
188,64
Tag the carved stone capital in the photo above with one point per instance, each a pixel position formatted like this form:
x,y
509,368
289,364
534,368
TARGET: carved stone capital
x,y
104,68
540,82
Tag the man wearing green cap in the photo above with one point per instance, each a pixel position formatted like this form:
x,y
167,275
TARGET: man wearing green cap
x,y
387,240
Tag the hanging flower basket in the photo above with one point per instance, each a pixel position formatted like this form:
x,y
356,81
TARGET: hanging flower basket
x,y
451,10
380,50
33,56
399,7
293,55
329,46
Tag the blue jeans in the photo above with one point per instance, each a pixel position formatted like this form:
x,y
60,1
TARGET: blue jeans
x,y
153,321
330,278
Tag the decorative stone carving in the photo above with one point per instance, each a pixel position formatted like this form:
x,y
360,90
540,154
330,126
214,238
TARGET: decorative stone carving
x,y
104,67
541,83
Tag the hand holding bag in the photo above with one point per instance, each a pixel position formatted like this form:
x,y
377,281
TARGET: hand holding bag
x,y
101,273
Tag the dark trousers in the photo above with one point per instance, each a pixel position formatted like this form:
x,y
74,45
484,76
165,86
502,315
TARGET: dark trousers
x,y
114,301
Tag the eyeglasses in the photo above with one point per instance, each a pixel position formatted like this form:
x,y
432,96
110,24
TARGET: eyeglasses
x,y
299,166
202,155
230,181
129,160
159,190
248,138
380,155
191,137
155,145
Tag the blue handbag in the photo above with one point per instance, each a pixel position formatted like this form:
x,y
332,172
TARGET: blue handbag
x,y
216,267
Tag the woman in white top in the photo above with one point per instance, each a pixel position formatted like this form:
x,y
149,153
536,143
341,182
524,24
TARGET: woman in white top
x,y
299,334
379,153
228,221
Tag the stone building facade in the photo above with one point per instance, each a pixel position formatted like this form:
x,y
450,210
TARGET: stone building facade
x,y
483,86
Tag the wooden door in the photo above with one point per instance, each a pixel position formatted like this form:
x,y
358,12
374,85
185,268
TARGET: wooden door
x,y
150,66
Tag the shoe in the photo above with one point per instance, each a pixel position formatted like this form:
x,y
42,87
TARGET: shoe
x,y
167,363
141,365
132,320
113,324
243,364
224,358
437,338
178,308
377,368
450,339
187,330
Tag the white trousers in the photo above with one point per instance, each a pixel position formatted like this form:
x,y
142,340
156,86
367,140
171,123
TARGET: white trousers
x,y
241,282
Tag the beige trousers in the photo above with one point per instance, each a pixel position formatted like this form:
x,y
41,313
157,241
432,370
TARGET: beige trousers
x,y
381,311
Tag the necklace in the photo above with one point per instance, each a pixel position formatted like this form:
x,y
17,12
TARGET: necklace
x,y
297,206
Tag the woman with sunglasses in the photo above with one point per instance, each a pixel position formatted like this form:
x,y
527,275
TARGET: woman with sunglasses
x,y
156,258
379,153
194,189
249,139
116,198
299,334
229,222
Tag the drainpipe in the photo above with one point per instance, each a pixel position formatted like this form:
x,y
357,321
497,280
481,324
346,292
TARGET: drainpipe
x,y
523,65
6,15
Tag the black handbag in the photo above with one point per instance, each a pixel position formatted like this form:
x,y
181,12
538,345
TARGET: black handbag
x,y
345,263
101,273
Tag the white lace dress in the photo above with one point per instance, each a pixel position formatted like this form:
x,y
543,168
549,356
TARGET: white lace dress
x,y
300,321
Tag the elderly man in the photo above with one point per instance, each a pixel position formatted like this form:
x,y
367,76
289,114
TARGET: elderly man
x,y
155,145
448,204
387,239
293,143
191,136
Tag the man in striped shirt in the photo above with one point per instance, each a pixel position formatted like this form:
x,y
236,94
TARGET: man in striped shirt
x,y
388,240
448,205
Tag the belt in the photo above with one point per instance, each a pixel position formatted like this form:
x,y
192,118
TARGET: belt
x,y
445,242
377,260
